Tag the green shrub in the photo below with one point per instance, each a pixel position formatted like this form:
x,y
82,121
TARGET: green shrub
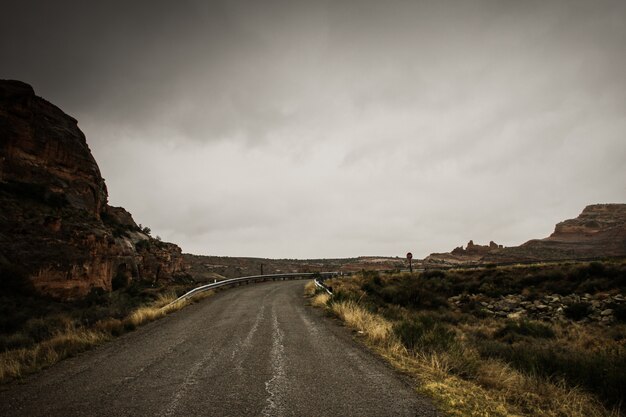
x,y
601,372
619,312
433,274
424,333
577,311
143,245
407,291
513,329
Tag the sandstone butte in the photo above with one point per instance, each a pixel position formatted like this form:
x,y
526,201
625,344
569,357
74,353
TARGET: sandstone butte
x,y
598,232
57,232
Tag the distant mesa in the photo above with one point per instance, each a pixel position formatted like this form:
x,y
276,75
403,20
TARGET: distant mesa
x,y
58,235
598,232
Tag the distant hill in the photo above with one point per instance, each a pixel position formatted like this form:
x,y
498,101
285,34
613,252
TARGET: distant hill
x,y
598,232
208,268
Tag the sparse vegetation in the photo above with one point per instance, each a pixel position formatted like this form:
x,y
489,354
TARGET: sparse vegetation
x,y
36,333
475,364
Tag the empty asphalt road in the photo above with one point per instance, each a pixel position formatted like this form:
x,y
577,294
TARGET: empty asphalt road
x,y
256,350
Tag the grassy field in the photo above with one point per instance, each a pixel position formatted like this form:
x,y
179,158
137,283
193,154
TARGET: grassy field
x,y
36,332
476,364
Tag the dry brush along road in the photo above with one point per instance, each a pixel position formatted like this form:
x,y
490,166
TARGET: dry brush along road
x,y
256,350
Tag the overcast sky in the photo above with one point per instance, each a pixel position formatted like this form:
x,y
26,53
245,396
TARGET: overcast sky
x,y
340,128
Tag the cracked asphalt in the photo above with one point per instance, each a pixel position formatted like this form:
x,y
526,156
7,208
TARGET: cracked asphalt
x,y
254,350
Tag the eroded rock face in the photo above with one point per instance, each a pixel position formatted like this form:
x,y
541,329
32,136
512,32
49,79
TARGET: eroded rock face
x,y
472,253
598,232
56,229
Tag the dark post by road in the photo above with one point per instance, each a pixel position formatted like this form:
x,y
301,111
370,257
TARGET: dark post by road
x,y
409,256
261,269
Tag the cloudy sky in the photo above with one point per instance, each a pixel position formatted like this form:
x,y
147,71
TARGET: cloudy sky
x,y
337,128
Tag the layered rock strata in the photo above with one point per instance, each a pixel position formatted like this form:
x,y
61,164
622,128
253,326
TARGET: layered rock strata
x,y
598,232
57,231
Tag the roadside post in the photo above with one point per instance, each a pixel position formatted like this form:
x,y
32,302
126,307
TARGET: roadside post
x,y
409,256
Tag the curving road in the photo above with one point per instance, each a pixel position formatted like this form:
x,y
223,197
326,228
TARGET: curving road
x,y
256,350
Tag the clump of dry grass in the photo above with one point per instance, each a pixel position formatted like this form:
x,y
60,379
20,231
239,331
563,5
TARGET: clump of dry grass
x,y
310,289
320,299
373,326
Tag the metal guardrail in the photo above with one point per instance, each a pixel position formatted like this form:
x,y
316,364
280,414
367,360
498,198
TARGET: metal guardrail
x,y
255,278
320,284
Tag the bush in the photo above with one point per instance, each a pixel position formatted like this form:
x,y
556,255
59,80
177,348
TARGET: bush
x,y
601,372
408,291
619,312
424,333
577,311
512,330
434,273
14,280
143,245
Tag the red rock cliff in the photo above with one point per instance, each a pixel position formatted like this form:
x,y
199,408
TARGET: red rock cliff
x,y
56,229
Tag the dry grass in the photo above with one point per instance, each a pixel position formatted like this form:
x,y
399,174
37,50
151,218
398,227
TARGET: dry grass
x,y
72,340
320,299
310,289
493,389
16,363
373,326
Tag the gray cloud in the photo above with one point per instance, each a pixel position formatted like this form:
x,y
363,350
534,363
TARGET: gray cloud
x,y
311,129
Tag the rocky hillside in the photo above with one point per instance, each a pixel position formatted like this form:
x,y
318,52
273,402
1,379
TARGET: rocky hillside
x,y
58,235
598,232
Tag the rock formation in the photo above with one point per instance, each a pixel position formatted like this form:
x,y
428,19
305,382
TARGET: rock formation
x,y
57,231
472,253
598,232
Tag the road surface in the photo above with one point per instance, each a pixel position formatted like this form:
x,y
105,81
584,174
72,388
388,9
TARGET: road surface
x,y
255,350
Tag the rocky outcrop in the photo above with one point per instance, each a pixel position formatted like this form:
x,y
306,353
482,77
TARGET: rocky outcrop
x,y
600,308
472,253
598,232
56,230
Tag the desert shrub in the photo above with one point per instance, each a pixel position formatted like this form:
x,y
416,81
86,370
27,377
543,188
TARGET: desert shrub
x,y
424,333
13,280
560,287
407,291
596,269
15,341
601,372
577,311
39,329
142,245
433,273
474,308
619,312
96,296
513,329
114,327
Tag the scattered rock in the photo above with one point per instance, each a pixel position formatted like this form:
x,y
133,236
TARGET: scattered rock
x,y
548,308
